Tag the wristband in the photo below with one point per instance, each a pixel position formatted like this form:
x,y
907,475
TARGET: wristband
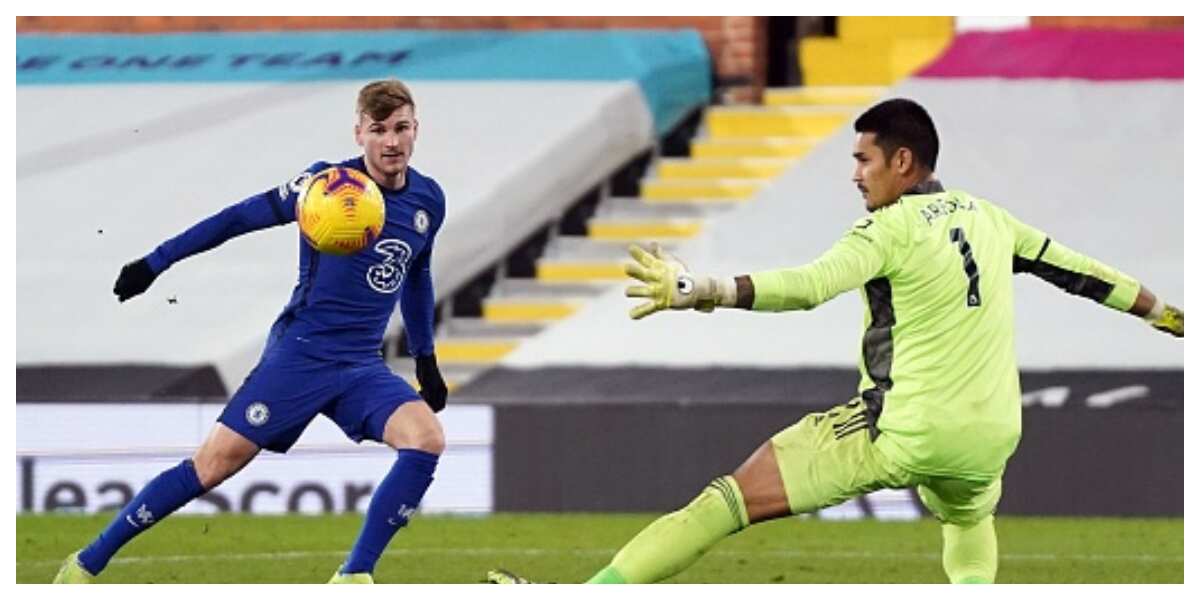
x,y
1156,313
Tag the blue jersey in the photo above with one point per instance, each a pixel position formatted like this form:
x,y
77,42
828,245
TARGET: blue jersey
x,y
340,306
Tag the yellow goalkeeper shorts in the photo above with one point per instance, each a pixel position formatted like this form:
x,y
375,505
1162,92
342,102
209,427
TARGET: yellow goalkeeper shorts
x,y
829,457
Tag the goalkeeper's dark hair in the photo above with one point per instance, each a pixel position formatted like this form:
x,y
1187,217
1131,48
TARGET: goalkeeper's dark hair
x,y
379,99
900,122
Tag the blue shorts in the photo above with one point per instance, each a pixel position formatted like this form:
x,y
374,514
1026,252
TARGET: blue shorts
x,y
287,390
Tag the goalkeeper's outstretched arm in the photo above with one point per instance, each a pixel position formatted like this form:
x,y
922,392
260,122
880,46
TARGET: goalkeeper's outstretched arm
x,y
860,255
666,283
1076,273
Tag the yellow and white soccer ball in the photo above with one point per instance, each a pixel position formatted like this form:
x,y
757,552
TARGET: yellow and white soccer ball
x,y
340,211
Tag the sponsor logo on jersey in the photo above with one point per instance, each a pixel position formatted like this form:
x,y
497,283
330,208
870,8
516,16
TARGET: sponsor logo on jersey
x,y
421,221
257,414
386,276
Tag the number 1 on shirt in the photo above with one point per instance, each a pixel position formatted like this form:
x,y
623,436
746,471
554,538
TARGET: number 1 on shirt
x,y
957,236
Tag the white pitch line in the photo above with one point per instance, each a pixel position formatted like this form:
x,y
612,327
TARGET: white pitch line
x,y
603,552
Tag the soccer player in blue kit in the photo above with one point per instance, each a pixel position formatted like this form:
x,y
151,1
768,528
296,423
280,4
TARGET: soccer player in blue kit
x,y
322,354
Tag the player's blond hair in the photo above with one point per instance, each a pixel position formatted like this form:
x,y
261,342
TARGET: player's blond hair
x,y
379,99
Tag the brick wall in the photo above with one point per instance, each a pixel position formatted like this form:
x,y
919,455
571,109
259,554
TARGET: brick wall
x,y
1107,22
738,45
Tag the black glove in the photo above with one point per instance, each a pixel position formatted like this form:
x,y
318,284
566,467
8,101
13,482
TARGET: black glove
x,y
433,387
134,279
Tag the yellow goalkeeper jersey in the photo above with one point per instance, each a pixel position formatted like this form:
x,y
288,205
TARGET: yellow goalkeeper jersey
x,y
939,371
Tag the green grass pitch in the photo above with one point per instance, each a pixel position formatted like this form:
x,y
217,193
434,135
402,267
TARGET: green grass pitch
x,y
567,548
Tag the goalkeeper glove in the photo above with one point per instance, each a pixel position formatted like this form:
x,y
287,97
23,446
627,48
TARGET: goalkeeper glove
x,y
669,284
135,278
433,387
1165,317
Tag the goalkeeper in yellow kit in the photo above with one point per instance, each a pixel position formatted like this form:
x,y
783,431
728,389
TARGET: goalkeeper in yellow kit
x,y
939,402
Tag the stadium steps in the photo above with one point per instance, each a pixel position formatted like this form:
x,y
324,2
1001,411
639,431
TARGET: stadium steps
x,y
630,220
788,147
581,260
466,347
873,51
743,149
455,375
721,168
699,190
776,120
528,302
739,151
830,95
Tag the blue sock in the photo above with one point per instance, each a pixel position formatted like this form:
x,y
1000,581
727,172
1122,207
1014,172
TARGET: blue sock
x,y
162,496
393,502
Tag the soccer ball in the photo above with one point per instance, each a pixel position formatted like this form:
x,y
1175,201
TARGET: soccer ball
x,y
340,211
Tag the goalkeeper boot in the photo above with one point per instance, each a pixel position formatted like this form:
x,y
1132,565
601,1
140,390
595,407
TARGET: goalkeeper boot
x,y
502,576
340,577
72,572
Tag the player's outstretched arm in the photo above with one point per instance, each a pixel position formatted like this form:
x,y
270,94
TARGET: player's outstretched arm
x,y
1081,275
668,284
260,211
869,249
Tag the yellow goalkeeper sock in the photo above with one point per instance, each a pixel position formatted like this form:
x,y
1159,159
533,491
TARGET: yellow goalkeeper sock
x,y
969,552
675,541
